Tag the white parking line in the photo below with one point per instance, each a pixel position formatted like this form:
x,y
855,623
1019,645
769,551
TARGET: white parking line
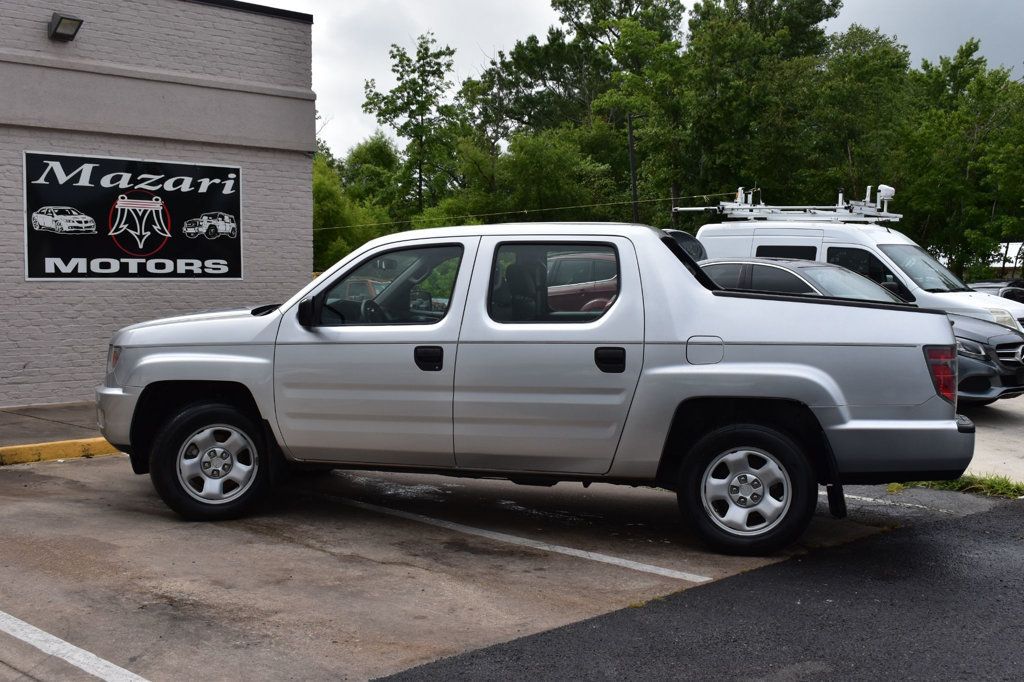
x,y
535,544
54,646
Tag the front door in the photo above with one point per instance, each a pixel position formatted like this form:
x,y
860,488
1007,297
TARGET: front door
x,y
371,380
543,384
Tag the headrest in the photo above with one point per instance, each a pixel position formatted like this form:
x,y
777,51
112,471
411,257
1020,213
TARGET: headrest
x,y
519,281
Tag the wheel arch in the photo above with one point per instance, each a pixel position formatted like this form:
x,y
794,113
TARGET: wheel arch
x,y
161,399
697,416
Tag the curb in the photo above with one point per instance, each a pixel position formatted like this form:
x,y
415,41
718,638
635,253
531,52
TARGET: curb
x,y
63,449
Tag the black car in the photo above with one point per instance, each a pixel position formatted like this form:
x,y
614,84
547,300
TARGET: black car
x,y
989,355
1013,289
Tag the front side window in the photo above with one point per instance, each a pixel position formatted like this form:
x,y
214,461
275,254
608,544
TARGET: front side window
x,y
560,282
406,286
836,281
927,273
868,265
777,280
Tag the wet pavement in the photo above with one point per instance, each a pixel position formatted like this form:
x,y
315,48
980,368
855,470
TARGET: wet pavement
x,y
353,575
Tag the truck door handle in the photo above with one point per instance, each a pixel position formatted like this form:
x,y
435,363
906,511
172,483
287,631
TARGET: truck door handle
x,y
429,358
610,359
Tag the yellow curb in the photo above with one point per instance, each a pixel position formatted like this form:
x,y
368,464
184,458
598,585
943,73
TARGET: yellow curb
x,y
63,449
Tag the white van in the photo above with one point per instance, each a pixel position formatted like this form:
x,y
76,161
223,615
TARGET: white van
x,y
879,253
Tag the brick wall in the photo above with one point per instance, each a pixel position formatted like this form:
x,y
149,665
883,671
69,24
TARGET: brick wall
x,y
168,35
156,79
54,335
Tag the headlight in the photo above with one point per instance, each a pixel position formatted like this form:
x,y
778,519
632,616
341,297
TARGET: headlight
x,y
113,355
969,348
1003,317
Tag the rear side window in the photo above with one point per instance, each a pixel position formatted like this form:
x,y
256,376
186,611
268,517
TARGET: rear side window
x,y
725,275
767,278
772,251
562,282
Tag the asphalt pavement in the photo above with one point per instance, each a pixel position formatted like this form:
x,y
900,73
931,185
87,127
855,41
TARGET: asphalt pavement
x,y
934,600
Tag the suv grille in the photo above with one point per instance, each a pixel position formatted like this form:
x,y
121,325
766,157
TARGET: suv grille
x,y
1009,353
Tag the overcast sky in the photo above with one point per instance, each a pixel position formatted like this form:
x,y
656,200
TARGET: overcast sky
x,y
351,39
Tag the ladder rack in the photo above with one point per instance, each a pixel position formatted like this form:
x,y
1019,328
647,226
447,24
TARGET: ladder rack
x,y
852,211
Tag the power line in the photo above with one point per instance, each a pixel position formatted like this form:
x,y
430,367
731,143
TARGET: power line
x,y
525,211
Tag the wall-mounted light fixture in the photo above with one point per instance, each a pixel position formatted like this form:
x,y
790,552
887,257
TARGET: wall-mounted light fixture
x,y
63,27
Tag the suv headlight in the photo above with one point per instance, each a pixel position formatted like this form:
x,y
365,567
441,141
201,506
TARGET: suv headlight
x,y
1003,317
971,349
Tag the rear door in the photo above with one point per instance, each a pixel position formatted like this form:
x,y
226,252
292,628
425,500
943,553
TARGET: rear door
x,y
543,388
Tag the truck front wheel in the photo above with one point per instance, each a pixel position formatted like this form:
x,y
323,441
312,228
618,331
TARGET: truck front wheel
x,y
747,489
210,462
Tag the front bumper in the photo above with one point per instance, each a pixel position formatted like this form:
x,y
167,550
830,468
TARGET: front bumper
x,y
115,407
986,380
890,451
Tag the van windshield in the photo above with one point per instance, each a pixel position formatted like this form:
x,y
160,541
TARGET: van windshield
x,y
927,273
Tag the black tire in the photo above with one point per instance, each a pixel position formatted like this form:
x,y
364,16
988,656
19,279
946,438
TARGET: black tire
x,y
791,522
211,232
233,232
173,436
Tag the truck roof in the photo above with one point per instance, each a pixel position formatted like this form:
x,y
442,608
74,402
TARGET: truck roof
x,y
539,229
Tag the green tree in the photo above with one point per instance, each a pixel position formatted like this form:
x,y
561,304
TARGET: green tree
x,y
371,171
961,162
418,109
340,224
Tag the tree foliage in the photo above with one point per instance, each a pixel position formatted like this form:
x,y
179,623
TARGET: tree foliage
x,y
733,92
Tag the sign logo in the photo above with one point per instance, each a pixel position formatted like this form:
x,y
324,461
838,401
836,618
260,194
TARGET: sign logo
x,y
99,217
141,219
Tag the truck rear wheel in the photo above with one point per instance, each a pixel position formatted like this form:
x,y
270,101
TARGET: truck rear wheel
x,y
747,489
210,462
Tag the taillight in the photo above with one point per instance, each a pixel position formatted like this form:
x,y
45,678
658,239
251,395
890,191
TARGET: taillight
x,y
942,366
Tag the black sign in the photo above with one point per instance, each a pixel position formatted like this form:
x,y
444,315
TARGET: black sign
x,y
100,217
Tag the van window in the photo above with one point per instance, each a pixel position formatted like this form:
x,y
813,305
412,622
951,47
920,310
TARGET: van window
x,y
867,264
787,251
768,278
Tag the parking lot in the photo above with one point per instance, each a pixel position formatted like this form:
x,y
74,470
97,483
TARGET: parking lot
x,y
347,575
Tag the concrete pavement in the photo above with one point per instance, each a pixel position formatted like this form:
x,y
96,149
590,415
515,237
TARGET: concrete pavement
x,y
348,575
999,442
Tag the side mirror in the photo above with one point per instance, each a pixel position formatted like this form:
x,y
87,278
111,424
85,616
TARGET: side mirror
x,y
894,288
304,314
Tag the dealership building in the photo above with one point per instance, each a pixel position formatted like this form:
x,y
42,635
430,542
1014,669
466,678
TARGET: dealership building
x,y
155,159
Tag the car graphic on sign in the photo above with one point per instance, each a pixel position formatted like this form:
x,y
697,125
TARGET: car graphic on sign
x,y
212,225
63,220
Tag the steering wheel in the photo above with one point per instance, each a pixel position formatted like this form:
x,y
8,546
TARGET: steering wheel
x,y
369,311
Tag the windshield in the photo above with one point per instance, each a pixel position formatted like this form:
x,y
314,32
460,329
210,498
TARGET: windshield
x,y
926,272
65,211
846,284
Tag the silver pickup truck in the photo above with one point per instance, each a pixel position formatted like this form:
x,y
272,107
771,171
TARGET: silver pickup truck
x,y
623,364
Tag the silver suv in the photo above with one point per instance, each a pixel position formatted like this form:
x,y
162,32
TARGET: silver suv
x,y
741,402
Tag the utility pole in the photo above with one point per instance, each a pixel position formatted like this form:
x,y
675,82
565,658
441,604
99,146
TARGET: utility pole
x,y
632,168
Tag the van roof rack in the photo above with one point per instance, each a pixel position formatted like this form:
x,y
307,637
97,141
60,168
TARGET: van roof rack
x,y
851,211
